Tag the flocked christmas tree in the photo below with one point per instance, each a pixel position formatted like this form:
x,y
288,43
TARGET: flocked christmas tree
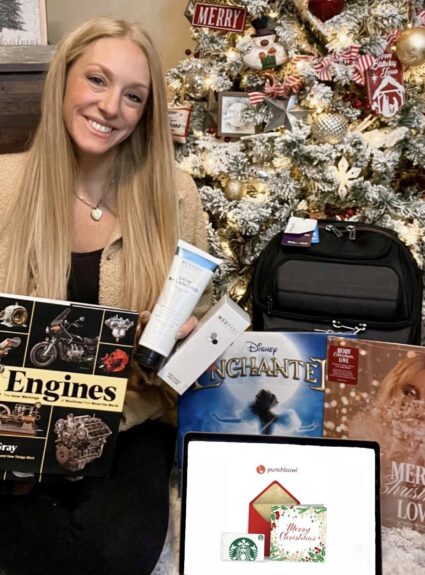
x,y
306,108
11,15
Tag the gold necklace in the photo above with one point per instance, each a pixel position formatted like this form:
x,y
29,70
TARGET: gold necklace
x,y
96,213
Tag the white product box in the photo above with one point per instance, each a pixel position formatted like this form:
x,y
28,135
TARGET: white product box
x,y
214,333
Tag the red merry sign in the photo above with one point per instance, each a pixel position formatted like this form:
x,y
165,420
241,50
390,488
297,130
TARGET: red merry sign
x,y
219,17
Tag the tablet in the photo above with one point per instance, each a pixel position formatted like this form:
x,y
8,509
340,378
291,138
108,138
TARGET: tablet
x,y
260,505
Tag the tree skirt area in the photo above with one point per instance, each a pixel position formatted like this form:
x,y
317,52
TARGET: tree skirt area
x,y
403,550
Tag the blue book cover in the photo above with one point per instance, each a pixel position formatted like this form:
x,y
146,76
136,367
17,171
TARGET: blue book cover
x,y
266,382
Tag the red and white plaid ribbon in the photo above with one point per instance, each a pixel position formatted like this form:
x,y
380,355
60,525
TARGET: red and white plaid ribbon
x,y
351,56
272,89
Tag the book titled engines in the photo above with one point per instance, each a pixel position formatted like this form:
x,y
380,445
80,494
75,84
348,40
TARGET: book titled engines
x,y
63,377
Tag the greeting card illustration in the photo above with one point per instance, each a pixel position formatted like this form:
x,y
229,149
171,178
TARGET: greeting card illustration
x,y
242,547
260,509
298,533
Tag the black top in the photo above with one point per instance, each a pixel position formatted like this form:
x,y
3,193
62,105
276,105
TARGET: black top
x,y
83,285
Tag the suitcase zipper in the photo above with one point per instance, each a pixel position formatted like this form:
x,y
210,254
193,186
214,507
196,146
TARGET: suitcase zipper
x,y
336,231
352,232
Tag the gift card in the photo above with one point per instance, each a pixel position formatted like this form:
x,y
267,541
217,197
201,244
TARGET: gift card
x,y
300,225
301,232
315,239
301,240
242,547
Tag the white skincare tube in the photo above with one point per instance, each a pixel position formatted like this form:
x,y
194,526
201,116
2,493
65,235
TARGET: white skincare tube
x,y
190,272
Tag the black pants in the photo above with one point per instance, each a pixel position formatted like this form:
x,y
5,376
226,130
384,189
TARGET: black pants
x,y
97,526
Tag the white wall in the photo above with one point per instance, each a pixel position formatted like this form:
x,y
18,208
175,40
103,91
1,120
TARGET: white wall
x,y
164,19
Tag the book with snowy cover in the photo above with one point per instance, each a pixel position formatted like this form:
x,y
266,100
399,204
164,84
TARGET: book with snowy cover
x,y
269,383
63,377
376,391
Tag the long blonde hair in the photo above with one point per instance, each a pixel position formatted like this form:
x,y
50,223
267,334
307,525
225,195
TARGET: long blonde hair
x,y
143,171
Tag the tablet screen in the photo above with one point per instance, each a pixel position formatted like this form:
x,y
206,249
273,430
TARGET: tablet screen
x,y
286,506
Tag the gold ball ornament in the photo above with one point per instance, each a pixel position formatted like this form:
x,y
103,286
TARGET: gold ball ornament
x,y
234,190
330,127
195,84
410,47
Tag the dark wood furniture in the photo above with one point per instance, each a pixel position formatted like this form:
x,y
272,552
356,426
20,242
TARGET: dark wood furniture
x,y
22,72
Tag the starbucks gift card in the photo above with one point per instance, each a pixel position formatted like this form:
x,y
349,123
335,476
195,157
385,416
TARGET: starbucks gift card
x,y
298,533
242,547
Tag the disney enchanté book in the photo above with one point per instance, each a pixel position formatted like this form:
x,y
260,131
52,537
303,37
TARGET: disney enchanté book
x,y
269,383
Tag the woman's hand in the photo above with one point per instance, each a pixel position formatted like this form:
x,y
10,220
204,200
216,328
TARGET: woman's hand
x,y
187,327
144,317
183,331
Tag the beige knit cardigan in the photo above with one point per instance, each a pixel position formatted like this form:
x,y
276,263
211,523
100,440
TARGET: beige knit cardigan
x,y
147,397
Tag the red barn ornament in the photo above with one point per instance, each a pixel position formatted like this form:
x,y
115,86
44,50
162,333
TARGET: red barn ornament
x,y
385,89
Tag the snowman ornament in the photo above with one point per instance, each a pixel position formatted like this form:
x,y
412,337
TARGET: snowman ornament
x,y
264,52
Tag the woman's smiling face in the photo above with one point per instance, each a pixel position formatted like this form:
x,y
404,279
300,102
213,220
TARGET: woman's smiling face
x,y
106,91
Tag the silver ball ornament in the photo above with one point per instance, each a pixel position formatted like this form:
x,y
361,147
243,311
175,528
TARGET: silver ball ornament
x,y
410,47
330,127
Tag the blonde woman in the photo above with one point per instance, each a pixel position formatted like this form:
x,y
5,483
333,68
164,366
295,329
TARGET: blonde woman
x,y
92,213
396,417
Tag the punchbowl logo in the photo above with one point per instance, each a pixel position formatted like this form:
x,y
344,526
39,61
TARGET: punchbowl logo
x,y
243,549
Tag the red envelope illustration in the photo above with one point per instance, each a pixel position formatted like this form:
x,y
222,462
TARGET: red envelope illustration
x,y
260,509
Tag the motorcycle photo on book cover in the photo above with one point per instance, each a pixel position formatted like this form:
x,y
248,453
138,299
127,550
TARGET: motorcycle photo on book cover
x,y
62,342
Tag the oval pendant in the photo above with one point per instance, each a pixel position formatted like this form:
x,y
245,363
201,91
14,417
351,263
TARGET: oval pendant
x,y
96,214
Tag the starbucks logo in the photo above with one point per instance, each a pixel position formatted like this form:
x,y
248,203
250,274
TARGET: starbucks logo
x,y
243,549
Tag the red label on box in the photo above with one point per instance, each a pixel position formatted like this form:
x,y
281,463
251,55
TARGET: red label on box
x,y
342,364
219,17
